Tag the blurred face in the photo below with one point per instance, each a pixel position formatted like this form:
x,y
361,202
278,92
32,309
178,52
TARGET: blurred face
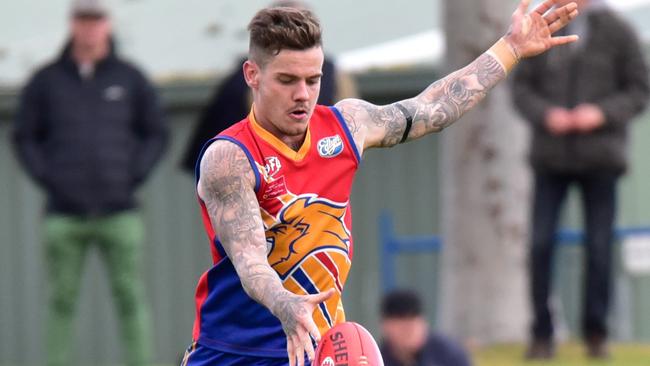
x,y
90,31
285,90
406,336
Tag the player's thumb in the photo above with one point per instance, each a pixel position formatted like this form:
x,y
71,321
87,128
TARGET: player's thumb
x,y
323,296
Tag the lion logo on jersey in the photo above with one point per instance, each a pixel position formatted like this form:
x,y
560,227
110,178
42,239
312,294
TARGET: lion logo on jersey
x,y
306,225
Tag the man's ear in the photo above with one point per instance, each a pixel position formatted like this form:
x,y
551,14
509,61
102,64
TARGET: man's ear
x,y
251,73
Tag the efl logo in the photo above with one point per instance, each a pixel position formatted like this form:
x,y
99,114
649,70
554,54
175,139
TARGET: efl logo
x,y
328,362
272,165
330,147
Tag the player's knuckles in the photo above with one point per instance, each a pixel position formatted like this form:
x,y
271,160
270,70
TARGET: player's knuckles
x,y
304,338
310,326
306,321
295,339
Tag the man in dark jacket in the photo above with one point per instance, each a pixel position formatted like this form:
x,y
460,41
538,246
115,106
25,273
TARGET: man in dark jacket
x,y
407,339
579,101
88,131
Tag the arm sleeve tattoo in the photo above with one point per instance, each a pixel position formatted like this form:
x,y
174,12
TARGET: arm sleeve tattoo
x,y
437,107
226,187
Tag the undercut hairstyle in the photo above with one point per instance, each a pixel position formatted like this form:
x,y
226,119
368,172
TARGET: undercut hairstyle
x,y
282,28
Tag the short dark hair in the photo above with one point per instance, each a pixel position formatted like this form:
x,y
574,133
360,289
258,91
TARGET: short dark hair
x,y
277,28
401,303
289,4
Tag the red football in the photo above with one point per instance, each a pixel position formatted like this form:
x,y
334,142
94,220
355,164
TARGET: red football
x,y
347,344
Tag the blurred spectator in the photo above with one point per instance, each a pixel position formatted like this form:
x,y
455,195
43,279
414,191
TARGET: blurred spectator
x,y
231,101
579,100
89,130
407,340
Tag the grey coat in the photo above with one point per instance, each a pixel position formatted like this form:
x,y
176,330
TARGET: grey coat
x,y
607,69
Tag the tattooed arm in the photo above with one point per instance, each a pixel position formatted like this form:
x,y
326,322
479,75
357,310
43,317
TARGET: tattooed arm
x,y
227,188
446,100
437,107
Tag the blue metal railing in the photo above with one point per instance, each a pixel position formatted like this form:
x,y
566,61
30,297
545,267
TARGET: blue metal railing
x,y
392,245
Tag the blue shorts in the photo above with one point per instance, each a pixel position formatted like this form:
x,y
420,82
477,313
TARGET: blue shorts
x,y
199,355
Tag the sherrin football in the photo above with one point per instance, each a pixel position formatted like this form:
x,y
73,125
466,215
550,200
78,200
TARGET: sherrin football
x,y
347,344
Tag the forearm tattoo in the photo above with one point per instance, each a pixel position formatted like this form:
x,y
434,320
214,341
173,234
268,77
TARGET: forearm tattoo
x,y
437,107
226,187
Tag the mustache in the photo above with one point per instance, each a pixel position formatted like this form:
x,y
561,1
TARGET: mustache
x,y
301,107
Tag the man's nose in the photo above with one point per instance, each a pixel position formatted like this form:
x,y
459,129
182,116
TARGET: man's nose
x,y
302,92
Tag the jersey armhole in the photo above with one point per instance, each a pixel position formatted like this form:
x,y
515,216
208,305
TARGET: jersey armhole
x,y
251,161
348,133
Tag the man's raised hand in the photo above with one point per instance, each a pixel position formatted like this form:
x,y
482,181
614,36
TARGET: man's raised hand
x,y
531,33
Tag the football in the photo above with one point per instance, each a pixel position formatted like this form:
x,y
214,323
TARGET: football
x,y
347,344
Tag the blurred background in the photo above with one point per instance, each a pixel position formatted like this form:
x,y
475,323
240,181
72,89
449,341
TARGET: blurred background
x,y
392,50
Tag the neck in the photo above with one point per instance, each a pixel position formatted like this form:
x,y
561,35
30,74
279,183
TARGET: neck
x,y
89,55
404,358
294,142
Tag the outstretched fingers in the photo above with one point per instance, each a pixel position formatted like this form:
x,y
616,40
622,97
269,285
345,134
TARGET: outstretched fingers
x,y
542,8
557,41
298,344
564,17
300,352
531,34
296,350
523,7
560,13
313,331
320,297
291,351
309,330
309,346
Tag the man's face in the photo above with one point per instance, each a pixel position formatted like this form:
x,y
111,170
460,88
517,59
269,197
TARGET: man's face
x,y
90,31
405,335
285,89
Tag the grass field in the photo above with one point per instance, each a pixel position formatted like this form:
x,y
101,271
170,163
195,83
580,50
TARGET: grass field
x,y
569,354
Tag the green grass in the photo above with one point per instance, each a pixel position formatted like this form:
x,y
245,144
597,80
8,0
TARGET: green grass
x,y
569,354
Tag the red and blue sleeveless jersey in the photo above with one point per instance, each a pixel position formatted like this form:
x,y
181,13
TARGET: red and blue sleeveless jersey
x,y
304,200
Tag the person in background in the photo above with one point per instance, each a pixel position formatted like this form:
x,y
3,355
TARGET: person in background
x,y
407,339
232,99
89,130
579,101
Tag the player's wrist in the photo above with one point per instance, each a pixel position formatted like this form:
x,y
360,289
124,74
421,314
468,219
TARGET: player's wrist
x,y
283,304
506,54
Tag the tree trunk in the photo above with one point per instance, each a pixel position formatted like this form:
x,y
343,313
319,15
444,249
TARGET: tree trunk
x,y
485,194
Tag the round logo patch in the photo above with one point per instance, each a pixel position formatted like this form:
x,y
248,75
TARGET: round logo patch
x,y
329,147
